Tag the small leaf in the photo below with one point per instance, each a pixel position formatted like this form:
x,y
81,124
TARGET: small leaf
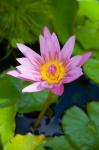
x,y
7,123
91,69
25,142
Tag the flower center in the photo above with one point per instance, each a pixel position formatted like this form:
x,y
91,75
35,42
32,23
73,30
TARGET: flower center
x,y
52,69
52,72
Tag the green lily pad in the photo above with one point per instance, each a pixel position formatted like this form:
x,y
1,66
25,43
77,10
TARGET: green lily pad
x,y
11,91
82,131
7,123
91,68
25,142
7,89
59,142
86,7
87,33
93,112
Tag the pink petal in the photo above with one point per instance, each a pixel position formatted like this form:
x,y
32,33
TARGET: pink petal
x,y
27,70
30,54
24,61
16,74
13,73
55,42
35,87
49,47
74,70
52,47
30,77
58,90
45,84
68,48
73,75
46,32
75,60
85,57
42,46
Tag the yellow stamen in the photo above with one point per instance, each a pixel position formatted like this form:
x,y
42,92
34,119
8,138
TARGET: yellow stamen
x,y
54,74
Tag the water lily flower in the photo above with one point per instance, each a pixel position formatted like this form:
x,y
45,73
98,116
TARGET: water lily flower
x,y
53,68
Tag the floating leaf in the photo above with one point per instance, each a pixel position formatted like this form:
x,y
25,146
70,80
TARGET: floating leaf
x,y
25,142
7,89
93,112
26,102
87,26
82,131
88,34
91,69
59,142
7,123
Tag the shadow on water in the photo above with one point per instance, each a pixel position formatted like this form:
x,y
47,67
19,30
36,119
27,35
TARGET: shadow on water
x,y
78,93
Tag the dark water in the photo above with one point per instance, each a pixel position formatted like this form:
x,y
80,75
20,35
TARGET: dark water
x,y
78,93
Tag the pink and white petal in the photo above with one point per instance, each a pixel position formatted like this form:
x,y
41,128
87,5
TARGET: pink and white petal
x,y
51,49
74,70
13,73
45,84
43,47
74,61
30,54
27,70
30,77
85,57
68,48
35,87
24,61
24,69
72,77
46,32
58,90
55,42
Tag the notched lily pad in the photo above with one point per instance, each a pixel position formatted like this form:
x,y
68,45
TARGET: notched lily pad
x,y
82,131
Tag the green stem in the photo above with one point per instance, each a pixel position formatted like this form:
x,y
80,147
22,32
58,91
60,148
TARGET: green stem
x,y
43,111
